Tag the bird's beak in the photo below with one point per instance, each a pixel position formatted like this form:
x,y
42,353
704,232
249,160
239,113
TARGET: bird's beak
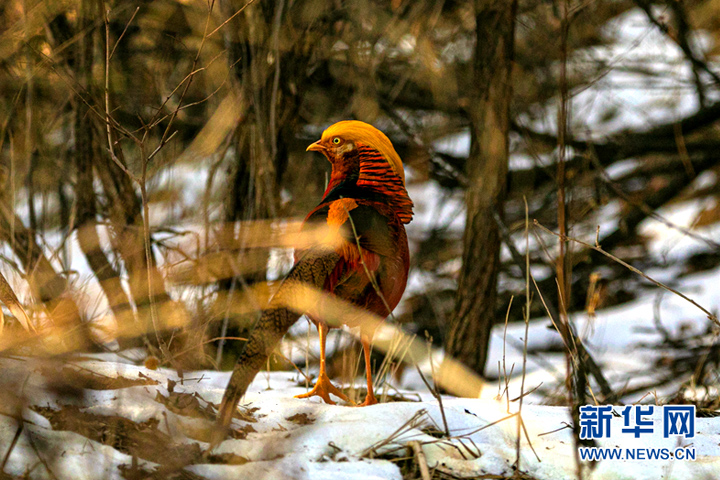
x,y
315,147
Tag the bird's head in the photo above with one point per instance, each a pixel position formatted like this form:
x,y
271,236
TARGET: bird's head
x,y
342,140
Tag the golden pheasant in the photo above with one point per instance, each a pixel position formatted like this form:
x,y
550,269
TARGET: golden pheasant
x,y
366,205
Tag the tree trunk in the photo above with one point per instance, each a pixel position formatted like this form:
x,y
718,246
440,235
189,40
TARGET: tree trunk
x,y
253,191
468,332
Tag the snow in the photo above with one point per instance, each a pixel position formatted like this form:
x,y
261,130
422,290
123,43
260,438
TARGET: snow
x,y
305,439
44,453
624,339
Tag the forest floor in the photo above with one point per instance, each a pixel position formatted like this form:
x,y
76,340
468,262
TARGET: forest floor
x,y
102,416
124,421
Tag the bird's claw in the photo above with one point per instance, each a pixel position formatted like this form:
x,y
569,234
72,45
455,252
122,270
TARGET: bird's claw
x,y
323,388
369,400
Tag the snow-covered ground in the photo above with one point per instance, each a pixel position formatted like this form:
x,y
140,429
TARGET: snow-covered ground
x,y
283,437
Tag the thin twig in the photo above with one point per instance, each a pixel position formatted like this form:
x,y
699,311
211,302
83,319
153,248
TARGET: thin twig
x,y
411,423
108,121
504,365
491,424
525,337
527,437
137,9
12,444
599,249
231,17
646,209
276,78
437,396
552,312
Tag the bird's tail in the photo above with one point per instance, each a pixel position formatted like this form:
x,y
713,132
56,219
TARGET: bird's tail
x,y
312,270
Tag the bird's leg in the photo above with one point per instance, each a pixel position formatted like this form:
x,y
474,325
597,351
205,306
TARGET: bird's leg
x,y
323,388
370,397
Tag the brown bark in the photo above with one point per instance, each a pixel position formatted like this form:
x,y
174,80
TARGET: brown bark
x,y
253,192
468,331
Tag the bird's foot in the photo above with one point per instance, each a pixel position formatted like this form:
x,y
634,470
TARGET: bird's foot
x,y
369,400
323,388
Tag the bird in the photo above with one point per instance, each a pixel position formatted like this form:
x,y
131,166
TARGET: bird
x,y
366,207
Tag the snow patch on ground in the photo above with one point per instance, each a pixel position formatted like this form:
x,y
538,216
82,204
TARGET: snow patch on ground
x,y
305,439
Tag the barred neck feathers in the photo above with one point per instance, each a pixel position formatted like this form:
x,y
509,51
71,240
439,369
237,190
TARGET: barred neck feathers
x,y
377,174
365,173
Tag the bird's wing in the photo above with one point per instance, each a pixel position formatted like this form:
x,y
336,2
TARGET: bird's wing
x,y
367,227
365,238
358,223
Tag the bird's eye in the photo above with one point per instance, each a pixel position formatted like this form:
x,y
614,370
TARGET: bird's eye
x,y
336,140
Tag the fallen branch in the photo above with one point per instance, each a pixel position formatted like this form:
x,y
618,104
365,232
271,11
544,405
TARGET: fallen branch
x,y
420,459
